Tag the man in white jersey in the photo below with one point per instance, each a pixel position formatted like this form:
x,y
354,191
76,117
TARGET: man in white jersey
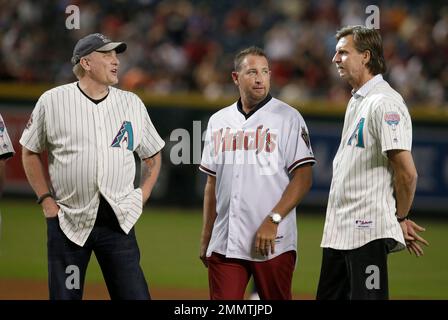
x,y
91,131
258,158
374,177
6,152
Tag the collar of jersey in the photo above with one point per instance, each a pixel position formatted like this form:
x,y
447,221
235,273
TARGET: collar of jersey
x,y
365,89
91,99
239,105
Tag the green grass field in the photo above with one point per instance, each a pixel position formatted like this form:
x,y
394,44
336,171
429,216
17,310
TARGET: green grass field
x,y
169,242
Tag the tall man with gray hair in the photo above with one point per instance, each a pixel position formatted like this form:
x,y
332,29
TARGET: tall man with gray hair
x,y
374,177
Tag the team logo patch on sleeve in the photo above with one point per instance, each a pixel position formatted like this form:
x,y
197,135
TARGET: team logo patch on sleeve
x,y
29,123
2,127
305,137
392,119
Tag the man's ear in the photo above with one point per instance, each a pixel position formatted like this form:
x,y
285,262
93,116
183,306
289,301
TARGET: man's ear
x,y
85,63
235,77
366,57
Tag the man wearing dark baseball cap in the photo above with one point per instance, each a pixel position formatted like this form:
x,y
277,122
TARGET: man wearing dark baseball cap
x,y
95,42
94,130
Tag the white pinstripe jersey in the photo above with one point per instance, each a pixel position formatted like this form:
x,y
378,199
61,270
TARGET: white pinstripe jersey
x,y
6,148
361,205
251,159
90,149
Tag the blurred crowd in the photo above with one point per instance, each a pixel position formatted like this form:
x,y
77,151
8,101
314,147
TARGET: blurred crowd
x,y
178,46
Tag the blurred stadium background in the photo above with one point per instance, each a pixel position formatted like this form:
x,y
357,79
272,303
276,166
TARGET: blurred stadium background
x,y
179,61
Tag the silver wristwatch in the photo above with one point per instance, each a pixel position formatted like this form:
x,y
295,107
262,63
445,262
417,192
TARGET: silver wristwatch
x,y
275,217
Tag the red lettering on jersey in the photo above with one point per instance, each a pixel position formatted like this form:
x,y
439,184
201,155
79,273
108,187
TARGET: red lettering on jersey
x,y
257,137
270,142
249,140
238,139
217,139
259,140
227,140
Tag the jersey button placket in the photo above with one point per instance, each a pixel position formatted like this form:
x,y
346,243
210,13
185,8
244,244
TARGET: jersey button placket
x,y
234,207
99,144
232,224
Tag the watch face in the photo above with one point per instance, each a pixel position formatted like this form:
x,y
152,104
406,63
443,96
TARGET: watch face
x,y
276,218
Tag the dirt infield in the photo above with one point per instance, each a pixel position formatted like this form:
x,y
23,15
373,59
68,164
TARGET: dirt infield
x,y
37,290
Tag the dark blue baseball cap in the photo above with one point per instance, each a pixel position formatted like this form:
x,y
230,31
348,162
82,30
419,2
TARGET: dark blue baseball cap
x,y
95,42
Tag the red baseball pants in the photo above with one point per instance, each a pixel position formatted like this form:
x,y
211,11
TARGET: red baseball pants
x,y
228,277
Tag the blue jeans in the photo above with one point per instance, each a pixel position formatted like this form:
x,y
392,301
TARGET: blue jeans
x,y
117,253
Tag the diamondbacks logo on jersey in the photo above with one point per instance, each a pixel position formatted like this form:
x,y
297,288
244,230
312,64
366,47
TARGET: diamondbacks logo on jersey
x,y
306,137
230,140
358,134
392,119
125,134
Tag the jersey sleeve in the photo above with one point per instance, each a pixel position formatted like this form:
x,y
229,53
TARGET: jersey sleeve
x,y
34,136
208,161
151,142
393,126
6,148
298,149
